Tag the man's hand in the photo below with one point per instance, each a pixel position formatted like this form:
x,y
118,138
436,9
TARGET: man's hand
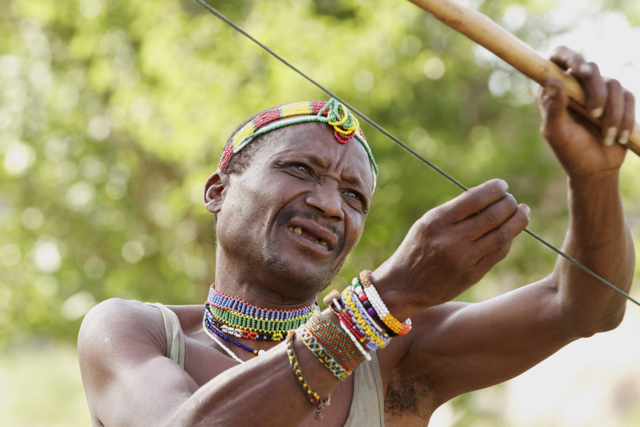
x,y
582,148
451,248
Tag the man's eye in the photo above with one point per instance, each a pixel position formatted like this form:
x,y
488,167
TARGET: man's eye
x,y
303,169
353,195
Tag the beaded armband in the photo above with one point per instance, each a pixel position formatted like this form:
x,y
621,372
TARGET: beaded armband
x,y
334,300
361,325
361,328
310,341
336,340
380,308
369,311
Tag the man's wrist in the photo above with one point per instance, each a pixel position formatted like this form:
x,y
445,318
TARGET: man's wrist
x,y
396,301
585,184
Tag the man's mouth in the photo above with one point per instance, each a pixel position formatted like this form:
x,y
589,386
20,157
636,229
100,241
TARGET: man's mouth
x,y
309,236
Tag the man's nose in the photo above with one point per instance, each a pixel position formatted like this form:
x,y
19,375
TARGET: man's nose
x,y
327,199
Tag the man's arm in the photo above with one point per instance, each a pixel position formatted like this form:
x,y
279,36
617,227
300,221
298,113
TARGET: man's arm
x,y
129,381
464,347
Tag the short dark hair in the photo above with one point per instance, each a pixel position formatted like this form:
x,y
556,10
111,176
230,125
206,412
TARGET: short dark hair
x,y
240,162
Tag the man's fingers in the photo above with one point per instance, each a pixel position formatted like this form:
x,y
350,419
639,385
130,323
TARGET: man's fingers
x,y
595,88
613,113
588,74
474,200
628,117
503,235
568,60
490,218
605,98
488,261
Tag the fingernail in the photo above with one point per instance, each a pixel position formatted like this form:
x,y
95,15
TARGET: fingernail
x,y
624,137
611,136
586,69
527,211
552,92
597,112
504,184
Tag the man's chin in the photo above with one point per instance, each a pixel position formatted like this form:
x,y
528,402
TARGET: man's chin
x,y
301,273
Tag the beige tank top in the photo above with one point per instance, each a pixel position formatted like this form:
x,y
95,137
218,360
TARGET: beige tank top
x,y
366,407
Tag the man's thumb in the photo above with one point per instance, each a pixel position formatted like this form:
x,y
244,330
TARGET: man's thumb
x,y
554,102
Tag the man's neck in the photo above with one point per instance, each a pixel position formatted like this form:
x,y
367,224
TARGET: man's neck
x,y
258,287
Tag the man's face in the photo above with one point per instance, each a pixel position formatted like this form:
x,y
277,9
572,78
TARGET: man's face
x,y
297,211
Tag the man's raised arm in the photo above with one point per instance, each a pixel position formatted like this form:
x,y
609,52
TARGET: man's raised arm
x,y
463,347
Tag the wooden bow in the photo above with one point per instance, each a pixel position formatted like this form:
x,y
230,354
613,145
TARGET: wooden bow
x,y
514,51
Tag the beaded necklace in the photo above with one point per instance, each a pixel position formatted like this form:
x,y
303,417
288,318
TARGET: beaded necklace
x,y
222,346
225,314
209,327
238,318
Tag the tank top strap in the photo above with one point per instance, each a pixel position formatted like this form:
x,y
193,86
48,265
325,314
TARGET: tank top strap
x,y
176,347
367,405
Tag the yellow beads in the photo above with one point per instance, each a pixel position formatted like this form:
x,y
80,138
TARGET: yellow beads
x,y
296,109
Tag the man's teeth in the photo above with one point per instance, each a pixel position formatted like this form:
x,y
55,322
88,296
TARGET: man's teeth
x,y
298,230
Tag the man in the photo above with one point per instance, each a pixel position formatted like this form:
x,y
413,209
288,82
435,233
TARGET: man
x,y
290,206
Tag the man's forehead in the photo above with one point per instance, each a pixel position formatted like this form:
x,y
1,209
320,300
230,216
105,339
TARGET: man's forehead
x,y
316,143
318,138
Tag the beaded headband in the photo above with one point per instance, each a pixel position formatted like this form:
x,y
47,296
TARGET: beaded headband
x,y
333,113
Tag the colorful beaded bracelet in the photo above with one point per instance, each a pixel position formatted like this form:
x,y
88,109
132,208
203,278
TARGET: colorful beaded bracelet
x,y
347,326
380,308
334,338
313,397
363,323
348,317
355,321
360,303
310,341
368,312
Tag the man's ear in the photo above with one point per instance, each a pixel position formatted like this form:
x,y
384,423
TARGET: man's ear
x,y
214,191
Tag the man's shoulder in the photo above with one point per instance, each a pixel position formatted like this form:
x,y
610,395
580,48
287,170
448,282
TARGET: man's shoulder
x,y
114,325
120,344
117,311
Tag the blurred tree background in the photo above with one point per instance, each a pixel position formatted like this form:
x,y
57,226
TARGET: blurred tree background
x,y
113,114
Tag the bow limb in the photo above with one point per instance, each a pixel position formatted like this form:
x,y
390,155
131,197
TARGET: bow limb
x,y
502,43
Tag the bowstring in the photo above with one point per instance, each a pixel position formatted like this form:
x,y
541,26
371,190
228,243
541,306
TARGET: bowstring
x,y
406,147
